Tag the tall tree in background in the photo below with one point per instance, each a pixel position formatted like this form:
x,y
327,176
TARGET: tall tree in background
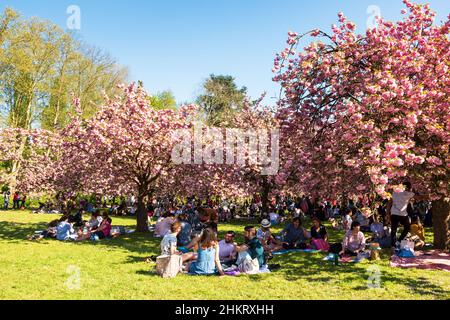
x,y
163,100
221,99
41,66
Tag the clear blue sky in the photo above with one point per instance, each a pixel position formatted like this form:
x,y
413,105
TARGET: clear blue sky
x,y
176,44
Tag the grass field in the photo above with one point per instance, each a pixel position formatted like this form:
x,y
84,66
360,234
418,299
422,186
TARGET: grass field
x,y
115,269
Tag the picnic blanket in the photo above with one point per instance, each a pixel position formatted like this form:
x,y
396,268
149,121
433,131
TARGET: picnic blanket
x,y
432,260
234,271
295,250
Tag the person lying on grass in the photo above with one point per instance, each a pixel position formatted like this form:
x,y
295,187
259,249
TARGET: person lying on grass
x,y
266,238
295,236
49,233
354,241
208,261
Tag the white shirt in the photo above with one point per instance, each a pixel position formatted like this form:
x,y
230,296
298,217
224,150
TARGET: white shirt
x,y
400,202
167,242
347,221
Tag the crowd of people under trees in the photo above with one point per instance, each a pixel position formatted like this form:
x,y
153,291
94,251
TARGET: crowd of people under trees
x,y
189,227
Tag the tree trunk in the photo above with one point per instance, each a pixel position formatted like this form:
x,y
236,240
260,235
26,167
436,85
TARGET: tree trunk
x,y
265,195
141,215
441,222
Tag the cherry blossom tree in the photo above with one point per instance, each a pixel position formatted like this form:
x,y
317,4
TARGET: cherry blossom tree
x,y
233,162
27,157
370,111
124,149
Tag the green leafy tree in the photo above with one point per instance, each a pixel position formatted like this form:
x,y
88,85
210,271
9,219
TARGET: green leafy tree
x,y
163,100
221,99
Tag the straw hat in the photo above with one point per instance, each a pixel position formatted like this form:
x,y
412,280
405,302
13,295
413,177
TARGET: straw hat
x,y
265,223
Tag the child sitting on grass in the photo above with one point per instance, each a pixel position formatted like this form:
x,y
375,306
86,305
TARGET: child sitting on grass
x,y
95,221
347,219
169,243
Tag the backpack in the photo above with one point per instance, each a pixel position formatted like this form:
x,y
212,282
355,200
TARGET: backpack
x,y
168,266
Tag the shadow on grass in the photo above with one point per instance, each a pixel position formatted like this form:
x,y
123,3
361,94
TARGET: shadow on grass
x,y
312,268
138,243
419,286
18,232
294,266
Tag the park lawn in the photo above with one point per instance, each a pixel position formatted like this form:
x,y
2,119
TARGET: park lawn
x,y
115,269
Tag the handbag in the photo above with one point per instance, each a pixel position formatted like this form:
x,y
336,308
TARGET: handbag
x,y
406,249
168,266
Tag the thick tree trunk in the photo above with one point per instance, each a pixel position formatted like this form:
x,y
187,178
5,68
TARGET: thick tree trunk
x,y
441,224
265,195
141,215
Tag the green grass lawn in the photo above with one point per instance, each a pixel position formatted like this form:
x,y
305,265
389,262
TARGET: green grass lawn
x,y
115,269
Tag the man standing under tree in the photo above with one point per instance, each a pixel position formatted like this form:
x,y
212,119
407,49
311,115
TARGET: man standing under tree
x,y
397,209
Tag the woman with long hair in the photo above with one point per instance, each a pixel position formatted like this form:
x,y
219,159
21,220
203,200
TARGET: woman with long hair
x,y
208,261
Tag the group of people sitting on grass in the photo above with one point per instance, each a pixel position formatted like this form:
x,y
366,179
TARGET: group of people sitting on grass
x,y
211,256
74,228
